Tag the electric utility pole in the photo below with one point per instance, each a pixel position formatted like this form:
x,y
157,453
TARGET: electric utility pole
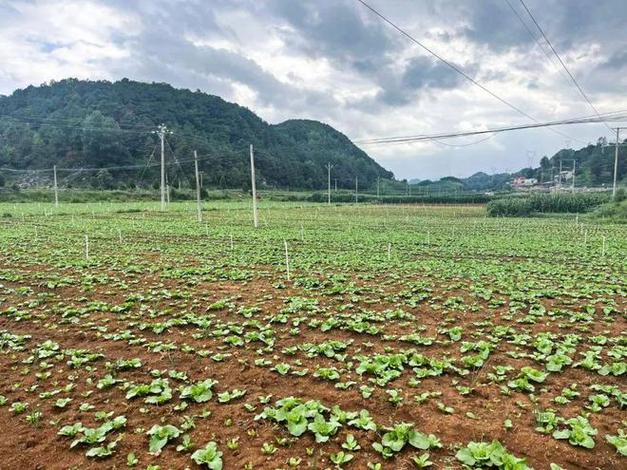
x,y
254,187
377,187
618,129
198,209
56,188
356,187
329,166
161,131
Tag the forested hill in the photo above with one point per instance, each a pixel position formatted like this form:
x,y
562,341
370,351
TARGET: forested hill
x,y
86,124
594,164
594,167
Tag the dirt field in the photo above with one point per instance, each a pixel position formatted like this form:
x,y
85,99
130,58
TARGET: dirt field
x,y
468,329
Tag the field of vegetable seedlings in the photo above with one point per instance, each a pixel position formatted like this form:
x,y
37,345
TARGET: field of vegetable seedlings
x,y
405,337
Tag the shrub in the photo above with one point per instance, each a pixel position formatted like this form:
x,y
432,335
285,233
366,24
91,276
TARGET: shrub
x,y
614,211
510,207
546,203
566,202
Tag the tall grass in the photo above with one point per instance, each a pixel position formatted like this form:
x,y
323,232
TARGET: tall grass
x,y
546,203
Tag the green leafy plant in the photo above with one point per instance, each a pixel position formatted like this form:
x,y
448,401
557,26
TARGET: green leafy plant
x,y
395,439
102,452
422,461
340,458
484,454
199,392
322,428
619,441
351,443
228,396
160,436
578,433
209,456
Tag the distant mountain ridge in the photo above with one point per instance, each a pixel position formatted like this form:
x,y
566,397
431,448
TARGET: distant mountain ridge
x,y
76,123
594,167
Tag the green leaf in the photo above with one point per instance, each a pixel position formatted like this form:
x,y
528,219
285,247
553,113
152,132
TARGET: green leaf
x,y
131,460
160,435
420,441
465,456
323,429
209,456
296,422
620,442
102,452
200,392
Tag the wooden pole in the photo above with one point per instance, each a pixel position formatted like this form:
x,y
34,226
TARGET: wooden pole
x,y
56,188
254,187
287,260
162,138
329,166
615,163
198,208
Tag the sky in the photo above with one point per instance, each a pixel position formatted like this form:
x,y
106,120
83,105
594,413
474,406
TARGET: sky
x,y
336,62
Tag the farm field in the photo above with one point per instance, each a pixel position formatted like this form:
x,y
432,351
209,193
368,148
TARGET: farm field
x,y
405,337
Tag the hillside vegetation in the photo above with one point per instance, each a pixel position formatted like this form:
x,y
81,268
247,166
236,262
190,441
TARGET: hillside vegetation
x,y
594,166
74,123
543,203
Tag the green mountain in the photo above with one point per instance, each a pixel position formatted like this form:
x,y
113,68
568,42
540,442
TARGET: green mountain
x,y
594,167
594,164
98,124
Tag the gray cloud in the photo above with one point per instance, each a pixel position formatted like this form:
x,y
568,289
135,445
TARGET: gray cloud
x,y
423,72
419,76
334,61
492,23
174,52
336,30
616,61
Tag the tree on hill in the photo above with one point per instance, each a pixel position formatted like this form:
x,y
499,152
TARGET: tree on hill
x,y
95,124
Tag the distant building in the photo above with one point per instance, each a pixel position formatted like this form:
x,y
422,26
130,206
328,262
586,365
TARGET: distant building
x,y
522,182
564,176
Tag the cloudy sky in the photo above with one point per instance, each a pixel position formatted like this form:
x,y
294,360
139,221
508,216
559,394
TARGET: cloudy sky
x,y
334,61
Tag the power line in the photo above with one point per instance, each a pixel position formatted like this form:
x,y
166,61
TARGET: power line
x,y
120,167
177,162
447,144
537,41
77,126
185,138
453,66
71,120
531,34
613,116
152,155
562,62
